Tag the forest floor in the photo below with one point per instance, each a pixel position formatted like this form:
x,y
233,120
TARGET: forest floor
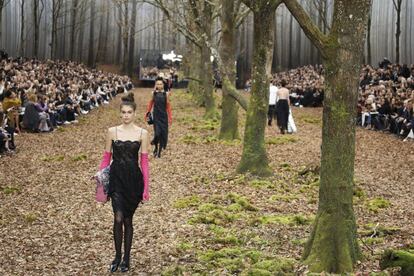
x,y
202,217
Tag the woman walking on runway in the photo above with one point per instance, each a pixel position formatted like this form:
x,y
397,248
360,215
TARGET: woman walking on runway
x,y
128,183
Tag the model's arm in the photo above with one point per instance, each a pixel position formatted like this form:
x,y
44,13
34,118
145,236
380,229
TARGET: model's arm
x,y
107,155
145,164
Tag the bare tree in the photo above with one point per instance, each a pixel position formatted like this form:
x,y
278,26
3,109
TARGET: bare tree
x,y
56,13
125,35
130,68
74,11
81,31
333,245
119,39
397,7
22,30
38,8
3,3
91,56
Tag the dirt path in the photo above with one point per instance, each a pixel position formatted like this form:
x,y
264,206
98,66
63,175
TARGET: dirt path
x,y
50,224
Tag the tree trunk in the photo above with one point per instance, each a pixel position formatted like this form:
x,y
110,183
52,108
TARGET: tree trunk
x,y
229,115
132,39
36,28
73,28
254,158
398,31
101,46
290,66
119,41
125,37
105,46
333,245
91,56
207,70
207,83
63,41
55,15
369,54
22,40
81,35
1,20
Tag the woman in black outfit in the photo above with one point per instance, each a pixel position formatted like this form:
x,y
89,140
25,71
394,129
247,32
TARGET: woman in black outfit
x,y
282,107
126,144
161,114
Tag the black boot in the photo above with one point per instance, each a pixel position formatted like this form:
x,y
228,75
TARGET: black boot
x,y
125,266
159,152
155,152
114,265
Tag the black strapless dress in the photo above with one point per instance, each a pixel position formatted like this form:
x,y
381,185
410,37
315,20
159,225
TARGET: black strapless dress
x,y
126,183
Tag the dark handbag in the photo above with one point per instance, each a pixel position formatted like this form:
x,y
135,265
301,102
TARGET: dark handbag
x,y
150,120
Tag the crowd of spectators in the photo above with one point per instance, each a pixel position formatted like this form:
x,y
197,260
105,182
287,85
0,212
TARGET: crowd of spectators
x,y
385,100
40,96
305,85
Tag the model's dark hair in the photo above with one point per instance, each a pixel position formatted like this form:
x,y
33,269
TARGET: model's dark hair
x,y
128,100
159,79
283,83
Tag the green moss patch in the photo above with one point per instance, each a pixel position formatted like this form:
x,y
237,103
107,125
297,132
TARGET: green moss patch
x,y
279,140
190,139
374,205
80,157
56,158
262,184
240,203
30,217
236,260
281,219
312,120
207,124
186,202
210,213
8,190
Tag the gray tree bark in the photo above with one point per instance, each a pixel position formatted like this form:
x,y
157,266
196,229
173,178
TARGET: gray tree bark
x,y
333,245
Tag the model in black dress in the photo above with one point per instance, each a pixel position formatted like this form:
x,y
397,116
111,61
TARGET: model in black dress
x,y
161,113
128,182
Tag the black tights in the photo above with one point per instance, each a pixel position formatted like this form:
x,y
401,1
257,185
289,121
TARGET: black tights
x,y
127,232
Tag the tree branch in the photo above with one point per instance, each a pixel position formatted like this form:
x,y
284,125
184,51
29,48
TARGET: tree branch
x,y
308,26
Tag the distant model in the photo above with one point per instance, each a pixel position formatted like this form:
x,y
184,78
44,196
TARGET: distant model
x,y
160,109
282,107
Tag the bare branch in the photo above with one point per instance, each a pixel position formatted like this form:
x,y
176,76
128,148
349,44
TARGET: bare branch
x,y
308,26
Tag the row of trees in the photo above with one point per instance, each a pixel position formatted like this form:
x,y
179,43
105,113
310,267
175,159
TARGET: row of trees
x,y
332,246
65,28
209,28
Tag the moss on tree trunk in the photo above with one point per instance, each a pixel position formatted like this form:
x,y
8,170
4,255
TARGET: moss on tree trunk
x,y
229,114
333,245
254,158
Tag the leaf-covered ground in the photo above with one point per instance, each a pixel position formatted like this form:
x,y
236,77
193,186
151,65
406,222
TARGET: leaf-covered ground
x,y
202,218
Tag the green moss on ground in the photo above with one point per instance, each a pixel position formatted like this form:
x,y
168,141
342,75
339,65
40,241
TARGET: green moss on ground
x,y
80,157
374,205
280,140
8,190
261,184
56,158
281,219
185,202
